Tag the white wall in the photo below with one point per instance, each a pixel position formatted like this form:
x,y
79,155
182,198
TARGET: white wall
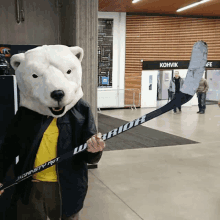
x,y
110,97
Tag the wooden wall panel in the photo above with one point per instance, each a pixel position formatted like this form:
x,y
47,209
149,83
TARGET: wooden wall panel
x,y
152,38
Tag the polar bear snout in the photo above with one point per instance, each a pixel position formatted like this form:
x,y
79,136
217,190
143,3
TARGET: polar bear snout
x,y
57,95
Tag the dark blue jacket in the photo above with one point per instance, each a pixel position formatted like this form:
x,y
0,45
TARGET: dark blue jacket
x,y
75,128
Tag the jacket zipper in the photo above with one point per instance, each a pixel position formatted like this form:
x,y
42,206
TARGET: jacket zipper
x,y
58,178
59,191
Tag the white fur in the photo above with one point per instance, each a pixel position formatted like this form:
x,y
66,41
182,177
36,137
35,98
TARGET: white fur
x,y
50,64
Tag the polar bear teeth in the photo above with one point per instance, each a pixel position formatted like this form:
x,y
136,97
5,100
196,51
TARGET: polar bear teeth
x,y
57,109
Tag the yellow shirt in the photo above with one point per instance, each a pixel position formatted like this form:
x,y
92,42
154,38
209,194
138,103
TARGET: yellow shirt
x,y
47,151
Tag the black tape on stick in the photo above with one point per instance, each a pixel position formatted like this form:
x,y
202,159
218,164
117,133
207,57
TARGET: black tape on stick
x,y
194,75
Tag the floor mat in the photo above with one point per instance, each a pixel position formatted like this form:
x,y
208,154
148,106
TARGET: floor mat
x,y
208,102
138,137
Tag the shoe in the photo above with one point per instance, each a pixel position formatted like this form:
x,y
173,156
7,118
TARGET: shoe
x,y
202,112
180,110
198,112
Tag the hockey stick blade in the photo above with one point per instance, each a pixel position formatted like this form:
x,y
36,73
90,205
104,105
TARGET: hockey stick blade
x,y
195,72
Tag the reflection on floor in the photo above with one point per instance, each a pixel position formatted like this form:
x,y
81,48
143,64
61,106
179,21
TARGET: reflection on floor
x,y
208,102
163,102
165,183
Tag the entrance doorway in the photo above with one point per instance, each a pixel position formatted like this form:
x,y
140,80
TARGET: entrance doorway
x,y
164,77
213,79
163,82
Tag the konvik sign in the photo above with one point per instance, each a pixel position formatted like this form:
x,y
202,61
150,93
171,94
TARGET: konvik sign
x,y
154,65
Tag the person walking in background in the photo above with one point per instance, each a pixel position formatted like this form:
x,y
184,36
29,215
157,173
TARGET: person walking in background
x,y
201,94
175,85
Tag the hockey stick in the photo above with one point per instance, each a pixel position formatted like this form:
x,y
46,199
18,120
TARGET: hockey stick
x,y
193,77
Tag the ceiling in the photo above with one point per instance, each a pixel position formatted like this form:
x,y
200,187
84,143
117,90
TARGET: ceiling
x,y
168,7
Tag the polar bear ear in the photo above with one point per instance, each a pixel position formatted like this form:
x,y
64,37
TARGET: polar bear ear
x,y
16,60
78,52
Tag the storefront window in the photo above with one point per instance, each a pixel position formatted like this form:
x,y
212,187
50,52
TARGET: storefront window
x,y
213,79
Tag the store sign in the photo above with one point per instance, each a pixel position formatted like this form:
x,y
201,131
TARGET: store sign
x,y
174,65
154,65
209,64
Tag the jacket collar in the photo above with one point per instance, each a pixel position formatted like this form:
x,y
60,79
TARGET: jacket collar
x,y
175,78
74,111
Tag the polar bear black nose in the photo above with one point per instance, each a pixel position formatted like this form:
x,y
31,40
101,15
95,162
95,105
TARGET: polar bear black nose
x,y
57,95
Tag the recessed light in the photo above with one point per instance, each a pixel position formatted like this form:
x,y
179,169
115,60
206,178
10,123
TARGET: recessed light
x,y
192,5
134,1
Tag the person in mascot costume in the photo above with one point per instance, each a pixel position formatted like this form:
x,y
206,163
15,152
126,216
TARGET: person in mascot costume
x,y
52,119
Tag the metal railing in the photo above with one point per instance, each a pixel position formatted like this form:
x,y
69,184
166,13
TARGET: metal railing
x,y
133,104
134,98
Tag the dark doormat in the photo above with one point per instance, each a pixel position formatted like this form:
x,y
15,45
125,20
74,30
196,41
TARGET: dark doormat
x,y
208,102
138,137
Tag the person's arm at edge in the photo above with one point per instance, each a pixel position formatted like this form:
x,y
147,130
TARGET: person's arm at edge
x,y
206,86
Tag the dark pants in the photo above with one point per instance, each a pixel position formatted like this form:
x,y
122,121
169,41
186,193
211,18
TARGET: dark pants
x,y
44,203
201,101
174,108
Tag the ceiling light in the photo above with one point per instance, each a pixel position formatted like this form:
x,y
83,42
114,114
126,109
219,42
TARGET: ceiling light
x,y
192,5
134,1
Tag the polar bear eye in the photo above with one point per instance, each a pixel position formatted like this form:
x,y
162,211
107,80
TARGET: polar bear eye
x,y
35,76
68,72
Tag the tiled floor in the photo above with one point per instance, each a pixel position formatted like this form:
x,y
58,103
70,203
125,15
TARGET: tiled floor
x,y
164,183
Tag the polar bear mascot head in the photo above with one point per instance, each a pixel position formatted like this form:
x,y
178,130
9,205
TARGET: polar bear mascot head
x,y
49,78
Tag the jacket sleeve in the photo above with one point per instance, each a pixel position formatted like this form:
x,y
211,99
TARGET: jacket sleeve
x,y
89,130
9,148
182,82
206,86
